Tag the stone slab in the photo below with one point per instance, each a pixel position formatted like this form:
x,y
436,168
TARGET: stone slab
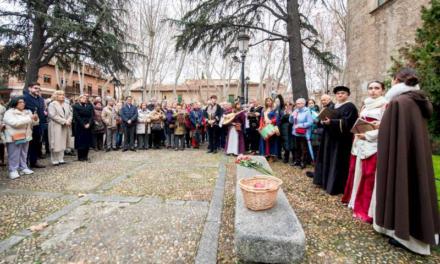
x,y
150,231
270,236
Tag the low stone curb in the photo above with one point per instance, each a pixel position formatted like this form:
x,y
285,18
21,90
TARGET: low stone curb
x,y
207,251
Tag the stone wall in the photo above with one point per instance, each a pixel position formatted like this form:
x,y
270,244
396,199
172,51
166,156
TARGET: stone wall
x,y
375,33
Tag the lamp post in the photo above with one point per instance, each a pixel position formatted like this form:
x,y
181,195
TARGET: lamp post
x,y
243,46
246,97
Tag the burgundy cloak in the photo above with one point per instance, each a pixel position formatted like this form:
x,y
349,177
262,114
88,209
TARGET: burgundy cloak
x,y
406,199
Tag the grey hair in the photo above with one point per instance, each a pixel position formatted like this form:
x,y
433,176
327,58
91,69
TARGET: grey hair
x,y
300,100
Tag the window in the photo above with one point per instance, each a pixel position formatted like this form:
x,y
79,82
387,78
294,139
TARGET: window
x,y
89,89
100,90
46,79
231,98
76,87
179,98
380,2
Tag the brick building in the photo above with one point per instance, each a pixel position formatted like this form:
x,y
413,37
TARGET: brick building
x,y
377,29
94,83
201,90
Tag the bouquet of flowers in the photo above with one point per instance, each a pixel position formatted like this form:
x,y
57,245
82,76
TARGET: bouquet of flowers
x,y
248,162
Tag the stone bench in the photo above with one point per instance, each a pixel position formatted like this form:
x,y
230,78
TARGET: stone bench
x,y
270,236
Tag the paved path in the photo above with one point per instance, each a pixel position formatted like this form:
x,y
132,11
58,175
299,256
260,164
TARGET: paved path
x,y
155,206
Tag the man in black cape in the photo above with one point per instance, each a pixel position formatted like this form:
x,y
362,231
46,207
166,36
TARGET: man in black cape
x,y
335,159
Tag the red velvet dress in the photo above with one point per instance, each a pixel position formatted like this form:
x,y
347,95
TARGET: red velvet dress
x,y
361,178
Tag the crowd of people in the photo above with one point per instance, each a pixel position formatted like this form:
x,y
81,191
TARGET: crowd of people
x,y
385,174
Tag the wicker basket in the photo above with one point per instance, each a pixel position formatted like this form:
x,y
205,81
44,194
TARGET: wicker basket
x,y
256,198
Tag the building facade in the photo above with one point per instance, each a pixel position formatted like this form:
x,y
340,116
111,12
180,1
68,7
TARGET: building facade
x,y
200,90
94,83
377,29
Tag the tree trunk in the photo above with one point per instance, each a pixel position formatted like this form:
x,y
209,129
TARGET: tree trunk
x,y
298,78
38,41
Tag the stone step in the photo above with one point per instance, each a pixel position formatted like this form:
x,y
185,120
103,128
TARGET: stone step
x,y
270,236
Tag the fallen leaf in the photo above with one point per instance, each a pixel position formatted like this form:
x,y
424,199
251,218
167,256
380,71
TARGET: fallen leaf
x,y
39,227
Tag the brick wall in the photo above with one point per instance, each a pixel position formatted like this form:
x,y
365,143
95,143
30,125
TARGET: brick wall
x,y
374,35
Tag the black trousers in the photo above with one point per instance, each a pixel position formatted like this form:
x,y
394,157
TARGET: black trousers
x,y
129,136
213,137
98,141
301,149
253,139
83,154
157,136
35,146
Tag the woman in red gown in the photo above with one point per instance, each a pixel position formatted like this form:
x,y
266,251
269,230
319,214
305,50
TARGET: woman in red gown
x,y
361,177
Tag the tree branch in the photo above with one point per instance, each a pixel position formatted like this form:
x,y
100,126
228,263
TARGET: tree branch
x,y
279,7
266,39
262,29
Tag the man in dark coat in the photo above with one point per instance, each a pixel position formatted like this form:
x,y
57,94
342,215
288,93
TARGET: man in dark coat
x,y
324,151
336,161
35,103
129,115
252,134
213,113
406,199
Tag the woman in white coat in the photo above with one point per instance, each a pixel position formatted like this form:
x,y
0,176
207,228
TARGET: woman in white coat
x,y
142,126
60,120
18,133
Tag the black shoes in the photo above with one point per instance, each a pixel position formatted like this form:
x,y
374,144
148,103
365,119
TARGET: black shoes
x,y
37,166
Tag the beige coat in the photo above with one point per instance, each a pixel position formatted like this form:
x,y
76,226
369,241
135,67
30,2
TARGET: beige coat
x,y
109,115
59,118
2,113
17,121
143,119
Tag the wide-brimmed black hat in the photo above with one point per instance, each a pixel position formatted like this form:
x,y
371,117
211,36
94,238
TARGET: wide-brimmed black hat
x,y
341,88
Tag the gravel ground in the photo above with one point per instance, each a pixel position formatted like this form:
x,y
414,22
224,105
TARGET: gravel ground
x,y
75,176
332,235
151,231
176,182
21,211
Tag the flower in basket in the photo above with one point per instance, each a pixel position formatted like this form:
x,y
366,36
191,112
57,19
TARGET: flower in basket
x,y
248,162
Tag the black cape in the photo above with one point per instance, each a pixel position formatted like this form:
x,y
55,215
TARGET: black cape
x,y
331,170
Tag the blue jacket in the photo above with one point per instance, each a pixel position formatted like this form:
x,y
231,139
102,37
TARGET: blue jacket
x,y
303,118
36,105
196,117
129,113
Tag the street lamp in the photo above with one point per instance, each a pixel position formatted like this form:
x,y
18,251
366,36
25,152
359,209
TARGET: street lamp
x,y
243,46
246,101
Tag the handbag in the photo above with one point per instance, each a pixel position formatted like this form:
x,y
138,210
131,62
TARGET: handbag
x,y
268,131
18,136
156,127
300,131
